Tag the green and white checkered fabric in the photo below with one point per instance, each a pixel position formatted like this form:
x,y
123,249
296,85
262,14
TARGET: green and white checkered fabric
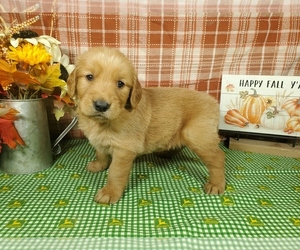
x,y
164,204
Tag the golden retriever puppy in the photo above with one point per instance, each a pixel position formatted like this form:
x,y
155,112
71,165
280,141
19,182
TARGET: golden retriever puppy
x,y
122,120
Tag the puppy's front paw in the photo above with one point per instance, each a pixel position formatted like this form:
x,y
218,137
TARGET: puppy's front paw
x,y
96,166
210,188
107,195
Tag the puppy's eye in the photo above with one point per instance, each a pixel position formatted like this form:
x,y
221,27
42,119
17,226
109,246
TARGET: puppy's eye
x,y
89,77
120,84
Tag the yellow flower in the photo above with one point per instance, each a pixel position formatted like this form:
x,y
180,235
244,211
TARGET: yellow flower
x,y
29,53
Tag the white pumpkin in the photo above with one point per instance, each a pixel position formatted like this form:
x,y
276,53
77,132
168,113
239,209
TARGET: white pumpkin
x,y
272,118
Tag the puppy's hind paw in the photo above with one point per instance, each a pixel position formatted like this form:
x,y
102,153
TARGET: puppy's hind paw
x,y
214,189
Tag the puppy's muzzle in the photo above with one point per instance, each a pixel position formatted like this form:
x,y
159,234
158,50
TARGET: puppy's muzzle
x,y
101,106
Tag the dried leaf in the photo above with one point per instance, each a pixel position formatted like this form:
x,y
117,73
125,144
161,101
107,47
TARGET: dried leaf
x,y
50,78
243,94
8,113
6,71
6,78
5,66
68,100
58,104
24,78
9,74
9,135
58,113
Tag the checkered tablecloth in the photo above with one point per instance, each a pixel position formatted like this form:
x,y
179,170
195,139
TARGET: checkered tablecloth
x,y
164,205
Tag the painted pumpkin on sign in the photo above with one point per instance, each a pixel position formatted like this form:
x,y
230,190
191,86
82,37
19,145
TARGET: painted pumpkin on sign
x,y
273,118
253,107
293,125
292,106
234,117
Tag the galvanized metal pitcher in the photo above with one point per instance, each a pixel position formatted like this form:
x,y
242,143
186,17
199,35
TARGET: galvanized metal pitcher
x,y
32,125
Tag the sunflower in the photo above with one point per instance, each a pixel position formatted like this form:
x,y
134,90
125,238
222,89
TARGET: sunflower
x,y
29,54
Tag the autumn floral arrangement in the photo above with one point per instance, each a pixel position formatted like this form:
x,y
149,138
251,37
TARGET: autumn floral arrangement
x,y
31,66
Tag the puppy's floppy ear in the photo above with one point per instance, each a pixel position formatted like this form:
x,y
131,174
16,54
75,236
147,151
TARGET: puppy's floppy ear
x,y
135,94
71,82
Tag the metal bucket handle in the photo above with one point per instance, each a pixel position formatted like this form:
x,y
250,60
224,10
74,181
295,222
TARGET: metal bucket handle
x,y
56,149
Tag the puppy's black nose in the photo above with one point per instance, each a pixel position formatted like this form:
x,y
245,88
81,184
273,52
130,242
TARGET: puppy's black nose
x,y
101,106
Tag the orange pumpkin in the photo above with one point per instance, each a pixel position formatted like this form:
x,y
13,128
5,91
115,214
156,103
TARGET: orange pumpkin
x,y
234,117
293,125
292,106
253,107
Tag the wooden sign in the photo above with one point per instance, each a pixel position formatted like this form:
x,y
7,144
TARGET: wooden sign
x,y
260,104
